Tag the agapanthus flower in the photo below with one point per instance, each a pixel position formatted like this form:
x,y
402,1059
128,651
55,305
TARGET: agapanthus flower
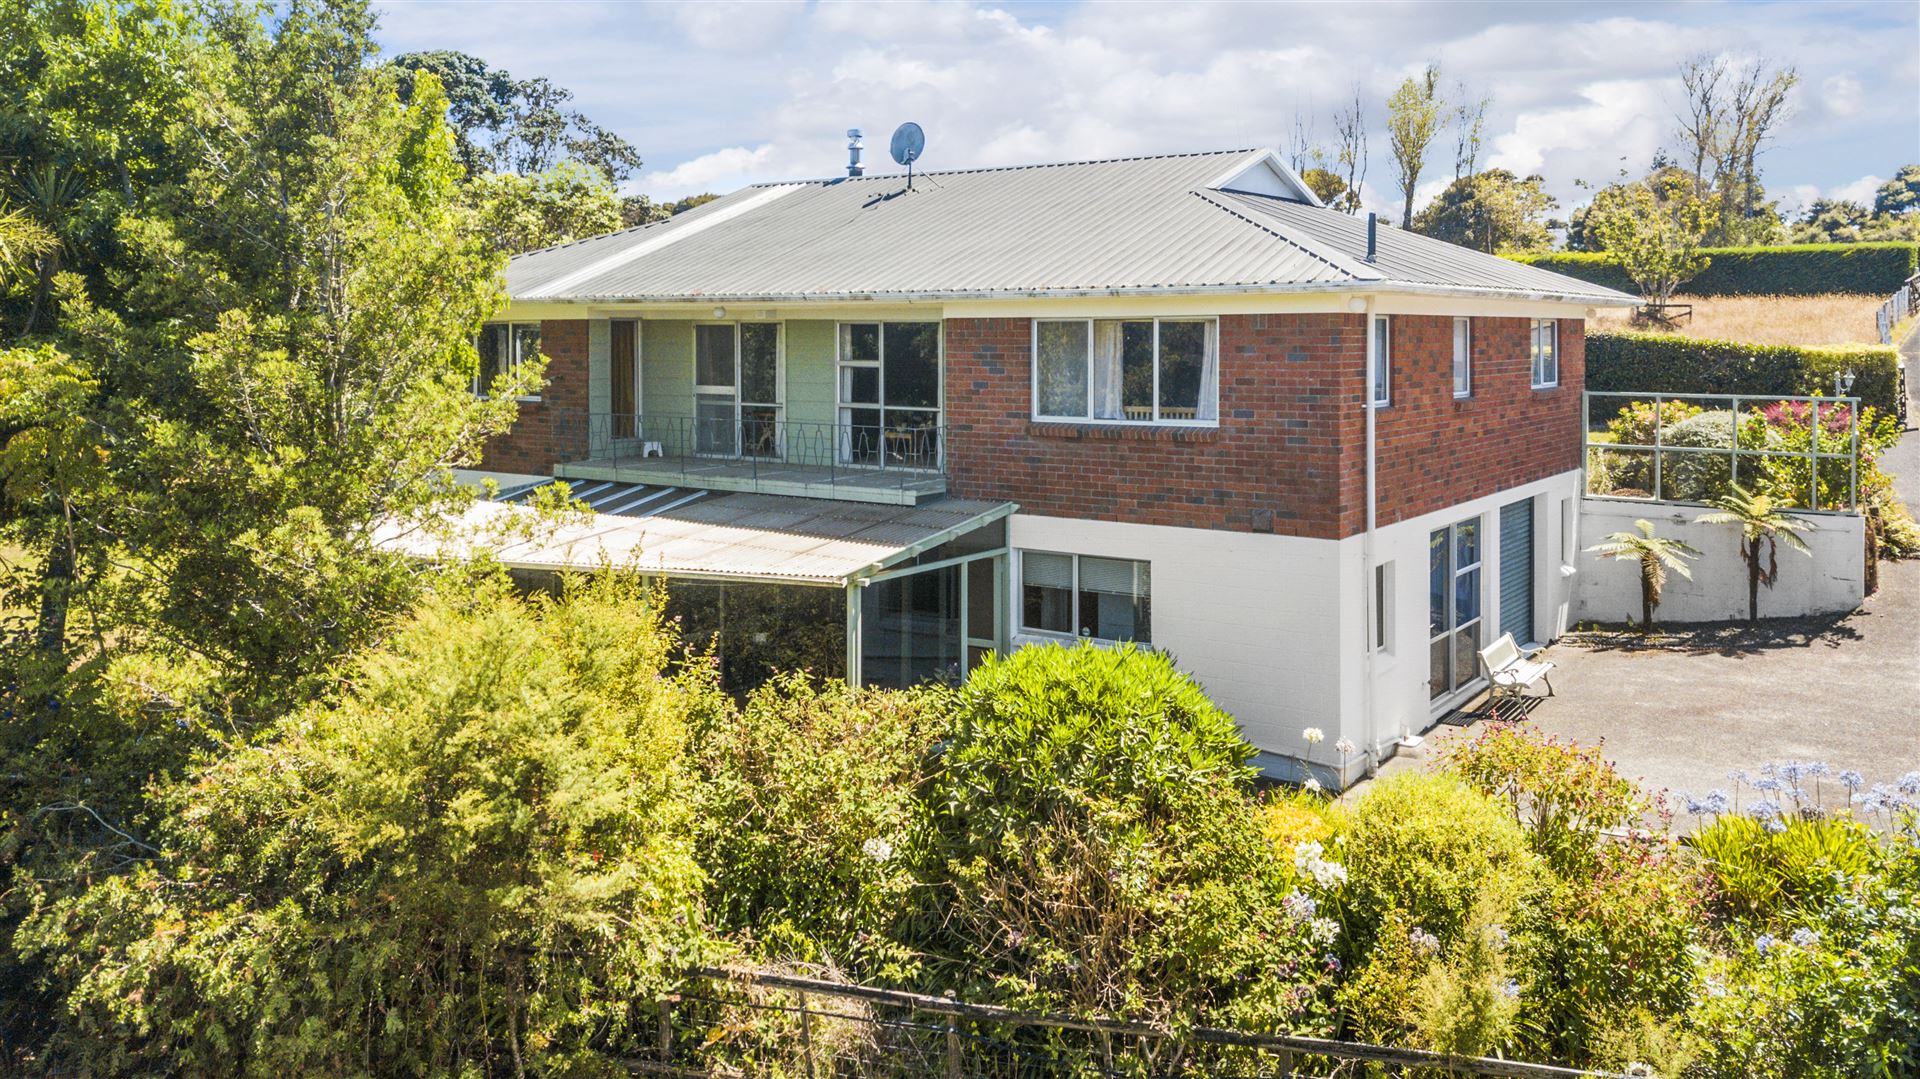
x,y
1346,747
1764,809
1804,937
1764,943
1511,989
1423,942
1854,780
1313,736
1909,783
1715,802
1323,930
1300,906
877,849
1767,783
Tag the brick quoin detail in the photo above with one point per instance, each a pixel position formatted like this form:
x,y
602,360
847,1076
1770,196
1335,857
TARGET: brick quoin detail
x,y
1289,454
553,428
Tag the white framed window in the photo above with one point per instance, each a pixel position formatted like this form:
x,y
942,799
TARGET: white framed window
x,y
1454,622
1546,353
1102,599
1383,603
737,369
1463,357
1382,356
891,393
503,347
1152,370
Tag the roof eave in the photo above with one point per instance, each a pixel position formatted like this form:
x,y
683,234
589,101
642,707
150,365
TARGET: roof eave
x,y
1596,299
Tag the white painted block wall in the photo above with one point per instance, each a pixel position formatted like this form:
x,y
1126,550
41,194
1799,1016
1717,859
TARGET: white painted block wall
x,y
1832,580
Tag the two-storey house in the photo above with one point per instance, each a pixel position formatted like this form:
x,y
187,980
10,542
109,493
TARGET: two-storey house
x,y
1170,400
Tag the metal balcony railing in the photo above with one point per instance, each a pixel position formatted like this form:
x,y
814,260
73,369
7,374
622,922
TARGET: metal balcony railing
x,y
759,449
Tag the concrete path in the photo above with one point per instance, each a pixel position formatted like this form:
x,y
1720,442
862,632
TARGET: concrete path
x,y
1679,715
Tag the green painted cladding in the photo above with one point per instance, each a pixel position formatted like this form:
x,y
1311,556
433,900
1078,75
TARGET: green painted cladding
x,y
810,389
666,367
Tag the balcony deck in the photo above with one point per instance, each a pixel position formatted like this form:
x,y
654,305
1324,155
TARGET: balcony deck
x,y
846,483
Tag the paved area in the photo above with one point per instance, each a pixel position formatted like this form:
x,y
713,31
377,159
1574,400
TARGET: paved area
x,y
1679,714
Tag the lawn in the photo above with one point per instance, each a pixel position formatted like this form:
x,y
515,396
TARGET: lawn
x,y
1768,320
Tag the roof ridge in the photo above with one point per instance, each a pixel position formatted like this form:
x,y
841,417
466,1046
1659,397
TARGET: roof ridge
x,y
1019,168
1284,238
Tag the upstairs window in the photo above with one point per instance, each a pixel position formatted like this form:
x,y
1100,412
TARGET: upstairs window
x,y
1546,353
1382,362
1463,357
1163,370
1105,599
504,346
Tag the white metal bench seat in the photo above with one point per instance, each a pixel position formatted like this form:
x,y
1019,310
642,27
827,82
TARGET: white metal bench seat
x,y
1511,671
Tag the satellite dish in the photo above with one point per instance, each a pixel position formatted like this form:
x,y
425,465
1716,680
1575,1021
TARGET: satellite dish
x,y
908,141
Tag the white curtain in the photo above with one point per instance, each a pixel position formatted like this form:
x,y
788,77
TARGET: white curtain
x,y
1104,371
1210,377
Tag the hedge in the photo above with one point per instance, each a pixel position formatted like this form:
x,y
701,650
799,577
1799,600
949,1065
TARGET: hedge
x,y
1669,363
1787,270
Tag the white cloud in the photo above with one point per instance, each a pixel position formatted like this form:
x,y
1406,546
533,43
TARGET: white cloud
x,y
719,95
1860,190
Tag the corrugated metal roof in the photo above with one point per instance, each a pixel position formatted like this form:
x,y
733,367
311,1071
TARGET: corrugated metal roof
x,y
1149,224
681,532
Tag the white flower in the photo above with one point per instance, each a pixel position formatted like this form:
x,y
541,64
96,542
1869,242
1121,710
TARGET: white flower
x,y
1308,859
1312,785
1314,735
1323,930
1423,942
1346,747
877,849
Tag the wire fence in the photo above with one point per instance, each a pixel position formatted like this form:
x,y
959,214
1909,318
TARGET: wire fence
x,y
1694,448
743,1022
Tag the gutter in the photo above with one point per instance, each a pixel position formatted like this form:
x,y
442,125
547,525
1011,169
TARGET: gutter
x,y
1288,289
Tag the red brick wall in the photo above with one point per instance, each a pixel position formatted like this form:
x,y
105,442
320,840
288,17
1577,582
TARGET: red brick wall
x,y
1292,430
1273,465
1435,451
552,429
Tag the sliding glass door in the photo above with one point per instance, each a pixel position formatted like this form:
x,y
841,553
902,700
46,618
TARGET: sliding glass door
x,y
890,393
1454,622
736,402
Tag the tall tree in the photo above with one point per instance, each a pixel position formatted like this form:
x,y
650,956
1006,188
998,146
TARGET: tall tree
x,y
1901,194
1655,235
1493,211
306,301
1414,115
1350,152
1469,124
1733,109
523,126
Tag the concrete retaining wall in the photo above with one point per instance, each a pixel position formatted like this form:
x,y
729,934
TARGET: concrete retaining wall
x,y
1608,590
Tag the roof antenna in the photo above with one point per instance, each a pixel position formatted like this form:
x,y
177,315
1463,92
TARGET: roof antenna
x,y
853,152
1373,234
908,141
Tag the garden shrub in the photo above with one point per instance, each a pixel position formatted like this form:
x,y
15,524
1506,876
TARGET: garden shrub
x,y
1093,844
1765,871
805,813
1433,849
1778,270
478,856
1563,793
1616,934
1668,363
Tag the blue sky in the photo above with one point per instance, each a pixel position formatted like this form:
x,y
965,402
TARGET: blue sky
x,y
720,94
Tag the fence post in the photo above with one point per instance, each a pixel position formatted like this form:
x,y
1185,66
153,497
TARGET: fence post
x,y
1286,1064
666,1030
953,1043
806,1036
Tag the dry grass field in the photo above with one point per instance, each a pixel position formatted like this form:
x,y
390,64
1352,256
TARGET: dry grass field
x,y
1768,320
